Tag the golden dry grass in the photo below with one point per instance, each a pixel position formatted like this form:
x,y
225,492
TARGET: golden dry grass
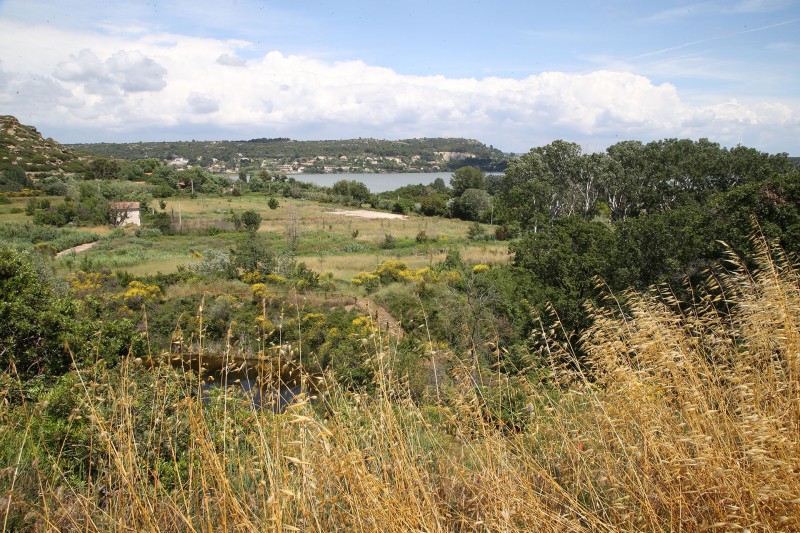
x,y
683,417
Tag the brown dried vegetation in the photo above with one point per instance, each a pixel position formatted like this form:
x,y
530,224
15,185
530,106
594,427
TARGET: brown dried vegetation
x,y
683,417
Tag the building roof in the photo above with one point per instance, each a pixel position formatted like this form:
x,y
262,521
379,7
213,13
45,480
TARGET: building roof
x,y
125,205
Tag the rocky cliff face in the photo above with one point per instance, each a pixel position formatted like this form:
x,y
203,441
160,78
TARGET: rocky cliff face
x,y
23,146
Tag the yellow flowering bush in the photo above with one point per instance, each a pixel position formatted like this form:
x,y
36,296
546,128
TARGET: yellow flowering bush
x,y
275,279
368,280
392,270
362,326
252,277
139,293
86,283
313,320
260,290
450,276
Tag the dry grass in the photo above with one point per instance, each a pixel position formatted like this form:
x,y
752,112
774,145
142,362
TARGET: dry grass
x,y
683,418
346,267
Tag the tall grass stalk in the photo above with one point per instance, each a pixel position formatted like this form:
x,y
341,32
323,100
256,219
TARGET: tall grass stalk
x,y
681,417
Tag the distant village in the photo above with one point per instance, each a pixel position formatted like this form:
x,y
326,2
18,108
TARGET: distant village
x,y
322,164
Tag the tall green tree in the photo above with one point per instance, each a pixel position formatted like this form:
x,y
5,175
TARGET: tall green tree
x,y
474,204
104,169
561,263
624,187
467,178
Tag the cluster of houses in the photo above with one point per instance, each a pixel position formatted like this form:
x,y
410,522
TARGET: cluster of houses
x,y
333,164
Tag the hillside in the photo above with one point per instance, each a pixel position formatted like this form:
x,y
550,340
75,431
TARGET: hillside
x,y
24,147
288,156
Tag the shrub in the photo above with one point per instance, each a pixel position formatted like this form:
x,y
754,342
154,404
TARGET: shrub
x,y
251,221
147,233
388,242
475,231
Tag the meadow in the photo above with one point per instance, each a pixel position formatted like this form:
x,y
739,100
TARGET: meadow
x,y
328,241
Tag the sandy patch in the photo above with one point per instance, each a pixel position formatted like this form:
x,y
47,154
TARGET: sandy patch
x,y
363,213
76,249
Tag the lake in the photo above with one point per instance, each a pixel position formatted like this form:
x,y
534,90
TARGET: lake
x,y
376,182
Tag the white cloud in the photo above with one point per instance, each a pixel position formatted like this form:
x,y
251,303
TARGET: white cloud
x,y
127,71
202,104
231,61
153,82
135,72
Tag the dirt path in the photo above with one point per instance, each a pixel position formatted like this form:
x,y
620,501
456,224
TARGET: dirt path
x,y
381,316
77,249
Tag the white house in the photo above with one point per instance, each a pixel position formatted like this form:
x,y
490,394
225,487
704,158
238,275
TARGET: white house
x,y
124,213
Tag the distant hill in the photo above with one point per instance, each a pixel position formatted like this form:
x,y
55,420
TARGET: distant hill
x,y
24,147
286,155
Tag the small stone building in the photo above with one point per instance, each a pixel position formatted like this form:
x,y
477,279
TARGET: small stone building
x,y
124,213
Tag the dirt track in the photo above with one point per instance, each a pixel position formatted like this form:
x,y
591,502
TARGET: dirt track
x,y
363,213
77,249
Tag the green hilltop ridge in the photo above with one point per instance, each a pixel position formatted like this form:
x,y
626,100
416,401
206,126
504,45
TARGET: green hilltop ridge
x,y
23,147
287,156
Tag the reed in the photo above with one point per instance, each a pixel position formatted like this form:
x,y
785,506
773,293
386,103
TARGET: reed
x,y
683,416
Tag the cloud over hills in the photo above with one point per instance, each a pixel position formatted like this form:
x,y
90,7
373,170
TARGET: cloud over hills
x,y
145,86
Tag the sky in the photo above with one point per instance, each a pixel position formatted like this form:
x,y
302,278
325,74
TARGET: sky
x,y
511,74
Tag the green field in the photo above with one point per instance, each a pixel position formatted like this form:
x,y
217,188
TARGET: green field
x,y
328,241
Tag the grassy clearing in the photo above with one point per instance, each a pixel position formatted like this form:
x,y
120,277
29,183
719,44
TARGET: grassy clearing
x,y
345,267
327,241
683,418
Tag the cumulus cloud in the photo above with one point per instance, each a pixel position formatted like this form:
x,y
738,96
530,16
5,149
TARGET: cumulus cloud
x,y
231,60
136,73
128,71
138,85
202,104
4,78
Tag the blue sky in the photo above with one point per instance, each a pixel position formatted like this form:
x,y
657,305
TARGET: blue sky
x,y
514,74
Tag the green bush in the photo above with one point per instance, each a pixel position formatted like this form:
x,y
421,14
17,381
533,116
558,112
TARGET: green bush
x,y
389,242
251,221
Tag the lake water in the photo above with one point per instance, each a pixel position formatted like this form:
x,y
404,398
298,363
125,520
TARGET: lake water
x,y
376,182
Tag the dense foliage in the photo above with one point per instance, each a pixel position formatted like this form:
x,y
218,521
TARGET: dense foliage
x,y
547,372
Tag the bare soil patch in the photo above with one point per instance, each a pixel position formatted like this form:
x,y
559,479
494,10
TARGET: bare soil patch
x,y
76,249
363,213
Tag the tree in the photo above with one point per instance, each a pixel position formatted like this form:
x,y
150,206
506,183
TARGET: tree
x,y
525,195
251,221
272,203
467,178
33,322
624,187
14,178
432,205
104,169
261,182
473,204
355,189
562,261
131,171
439,185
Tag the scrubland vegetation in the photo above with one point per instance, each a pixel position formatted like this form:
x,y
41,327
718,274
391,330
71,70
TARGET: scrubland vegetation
x,y
588,342
680,416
